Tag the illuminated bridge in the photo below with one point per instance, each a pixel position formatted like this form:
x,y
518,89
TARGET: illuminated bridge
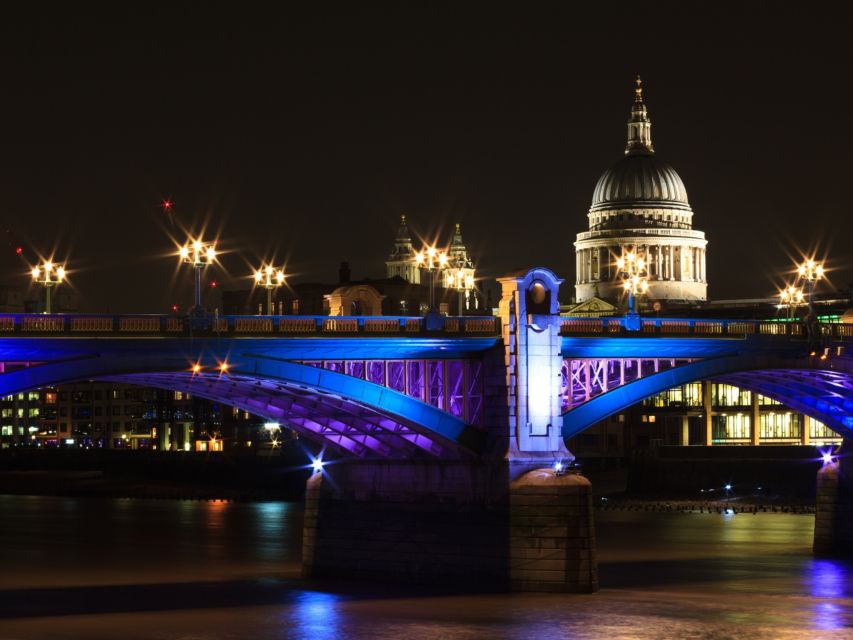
x,y
438,412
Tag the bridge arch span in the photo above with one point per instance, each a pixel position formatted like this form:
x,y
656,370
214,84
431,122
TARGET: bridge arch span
x,y
820,389
356,417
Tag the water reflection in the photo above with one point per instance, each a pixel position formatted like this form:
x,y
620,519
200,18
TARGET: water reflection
x,y
828,579
314,614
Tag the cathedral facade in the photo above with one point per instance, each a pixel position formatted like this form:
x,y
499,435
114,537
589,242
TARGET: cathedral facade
x,y
640,207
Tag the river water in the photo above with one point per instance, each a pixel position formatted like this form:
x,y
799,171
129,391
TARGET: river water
x,y
127,569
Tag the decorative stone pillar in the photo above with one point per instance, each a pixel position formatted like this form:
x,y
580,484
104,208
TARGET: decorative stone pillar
x,y
834,507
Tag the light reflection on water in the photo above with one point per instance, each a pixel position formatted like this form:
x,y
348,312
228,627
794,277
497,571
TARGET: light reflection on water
x,y
217,570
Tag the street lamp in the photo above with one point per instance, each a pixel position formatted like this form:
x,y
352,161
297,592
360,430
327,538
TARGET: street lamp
x,y
431,260
791,297
634,277
811,272
49,275
198,254
464,284
268,278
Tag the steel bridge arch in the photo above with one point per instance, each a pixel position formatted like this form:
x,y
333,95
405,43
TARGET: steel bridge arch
x,y
355,416
808,390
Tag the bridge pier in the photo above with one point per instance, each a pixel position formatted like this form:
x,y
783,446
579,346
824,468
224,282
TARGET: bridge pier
x,y
833,531
463,524
505,520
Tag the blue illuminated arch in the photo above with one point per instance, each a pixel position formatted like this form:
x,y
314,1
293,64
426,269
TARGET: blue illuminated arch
x,y
360,417
827,400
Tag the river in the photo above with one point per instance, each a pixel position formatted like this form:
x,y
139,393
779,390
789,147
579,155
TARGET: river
x,y
95,568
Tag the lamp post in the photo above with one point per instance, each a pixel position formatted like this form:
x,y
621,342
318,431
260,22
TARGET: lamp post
x,y
464,285
811,272
634,278
790,297
432,261
270,279
198,254
48,275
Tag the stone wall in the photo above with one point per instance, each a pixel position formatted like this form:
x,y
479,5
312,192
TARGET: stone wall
x,y
457,524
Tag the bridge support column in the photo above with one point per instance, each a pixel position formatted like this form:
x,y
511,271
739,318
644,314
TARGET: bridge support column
x,y
461,524
834,507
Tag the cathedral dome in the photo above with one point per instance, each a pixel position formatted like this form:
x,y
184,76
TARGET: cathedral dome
x,y
639,180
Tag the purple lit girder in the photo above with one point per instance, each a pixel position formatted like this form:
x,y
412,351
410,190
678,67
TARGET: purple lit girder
x,y
823,394
586,378
456,386
349,426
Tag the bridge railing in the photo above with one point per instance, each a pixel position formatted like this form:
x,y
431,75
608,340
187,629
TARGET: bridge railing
x,y
142,325
700,327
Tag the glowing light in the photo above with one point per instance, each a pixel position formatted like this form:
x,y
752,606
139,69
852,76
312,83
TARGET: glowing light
x,y
272,426
826,456
211,254
728,487
196,368
19,250
223,367
317,465
184,253
60,273
36,273
167,204
558,466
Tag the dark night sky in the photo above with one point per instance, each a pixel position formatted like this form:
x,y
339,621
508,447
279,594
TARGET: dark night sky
x,y
305,134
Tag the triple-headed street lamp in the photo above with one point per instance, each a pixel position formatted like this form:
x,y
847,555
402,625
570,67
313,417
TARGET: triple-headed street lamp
x,y
811,272
49,275
198,254
634,277
431,260
269,278
464,285
791,297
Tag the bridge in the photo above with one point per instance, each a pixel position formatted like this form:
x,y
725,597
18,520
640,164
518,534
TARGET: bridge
x,y
456,415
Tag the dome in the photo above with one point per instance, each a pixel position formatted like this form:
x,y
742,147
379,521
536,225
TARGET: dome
x,y
639,180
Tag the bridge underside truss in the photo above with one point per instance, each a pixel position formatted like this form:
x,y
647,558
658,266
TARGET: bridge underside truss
x,y
454,386
821,390
586,378
345,424
825,395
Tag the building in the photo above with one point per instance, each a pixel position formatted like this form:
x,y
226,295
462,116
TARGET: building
x,y
401,262
108,415
640,205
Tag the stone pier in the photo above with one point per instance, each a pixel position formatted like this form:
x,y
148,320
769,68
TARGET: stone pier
x,y
833,533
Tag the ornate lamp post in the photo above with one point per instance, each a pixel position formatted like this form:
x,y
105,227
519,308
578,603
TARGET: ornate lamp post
x,y
269,279
48,275
791,297
464,285
811,272
432,261
198,254
634,278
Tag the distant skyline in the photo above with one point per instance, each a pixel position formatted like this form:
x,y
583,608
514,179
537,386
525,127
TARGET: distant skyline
x,y
304,134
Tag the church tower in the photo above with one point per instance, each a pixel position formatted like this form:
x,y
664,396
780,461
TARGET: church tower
x,y
401,260
640,206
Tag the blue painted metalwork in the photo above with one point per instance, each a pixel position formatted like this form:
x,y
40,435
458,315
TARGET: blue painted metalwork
x,y
831,405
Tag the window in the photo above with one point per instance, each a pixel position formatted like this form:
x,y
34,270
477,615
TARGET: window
x,y
725,395
33,396
33,413
780,426
179,395
729,427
